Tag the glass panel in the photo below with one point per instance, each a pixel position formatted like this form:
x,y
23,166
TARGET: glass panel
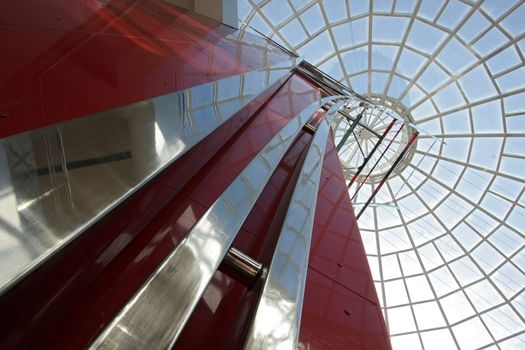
x,y
438,340
396,239
503,60
453,14
379,81
474,26
449,248
456,148
448,98
428,316
356,60
458,207
487,117
506,240
430,8
503,322
299,4
277,12
425,37
410,63
496,205
430,256
455,57
425,110
495,8
457,123
471,334
395,293
360,83
512,81
515,103
294,33
467,237
400,320
358,7
413,96
397,86
487,257
433,77
410,263
442,281
465,271
383,56
490,41
369,240
405,6
317,48
351,33
456,307
388,28
407,341
513,23
383,5
391,267
481,222
419,289
313,19
335,10
485,152
477,85
473,184
261,25
509,280
483,295
333,68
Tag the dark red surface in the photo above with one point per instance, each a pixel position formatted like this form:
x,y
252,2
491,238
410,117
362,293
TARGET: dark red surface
x,y
80,284
334,317
228,321
339,278
77,274
69,59
337,250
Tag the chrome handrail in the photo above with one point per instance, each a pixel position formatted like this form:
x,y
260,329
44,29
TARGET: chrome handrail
x,y
277,318
170,125
156,315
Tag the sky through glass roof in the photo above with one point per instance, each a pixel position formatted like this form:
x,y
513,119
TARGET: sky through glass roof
x,y
445,237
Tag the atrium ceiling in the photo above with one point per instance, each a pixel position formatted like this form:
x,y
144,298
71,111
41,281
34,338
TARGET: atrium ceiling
x,y
445,235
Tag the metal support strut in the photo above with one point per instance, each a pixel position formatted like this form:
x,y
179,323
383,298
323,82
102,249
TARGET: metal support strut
x,y
399,158
365,161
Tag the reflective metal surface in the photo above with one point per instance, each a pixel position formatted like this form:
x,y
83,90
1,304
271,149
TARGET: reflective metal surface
x,y
277,319
155,317
82,57
241,267
57,181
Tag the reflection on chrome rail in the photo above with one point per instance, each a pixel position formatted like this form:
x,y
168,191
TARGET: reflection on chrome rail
x,y
57,181
156,315
277,319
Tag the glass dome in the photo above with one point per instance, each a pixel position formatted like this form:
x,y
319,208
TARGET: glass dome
x,y
445,235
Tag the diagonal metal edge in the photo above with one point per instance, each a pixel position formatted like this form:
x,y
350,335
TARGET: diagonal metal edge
x,y
189,124
278,315
156,315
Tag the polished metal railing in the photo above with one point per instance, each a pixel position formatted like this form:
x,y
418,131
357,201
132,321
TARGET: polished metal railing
x,y
277,318
156,315
333,87
147,136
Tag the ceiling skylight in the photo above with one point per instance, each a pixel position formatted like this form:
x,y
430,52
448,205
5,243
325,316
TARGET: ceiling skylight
x,y
445,237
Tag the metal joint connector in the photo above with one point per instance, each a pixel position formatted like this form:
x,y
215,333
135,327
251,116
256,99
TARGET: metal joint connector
x,y
241,267
309,128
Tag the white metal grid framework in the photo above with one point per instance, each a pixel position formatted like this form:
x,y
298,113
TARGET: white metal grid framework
x,y
444,237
